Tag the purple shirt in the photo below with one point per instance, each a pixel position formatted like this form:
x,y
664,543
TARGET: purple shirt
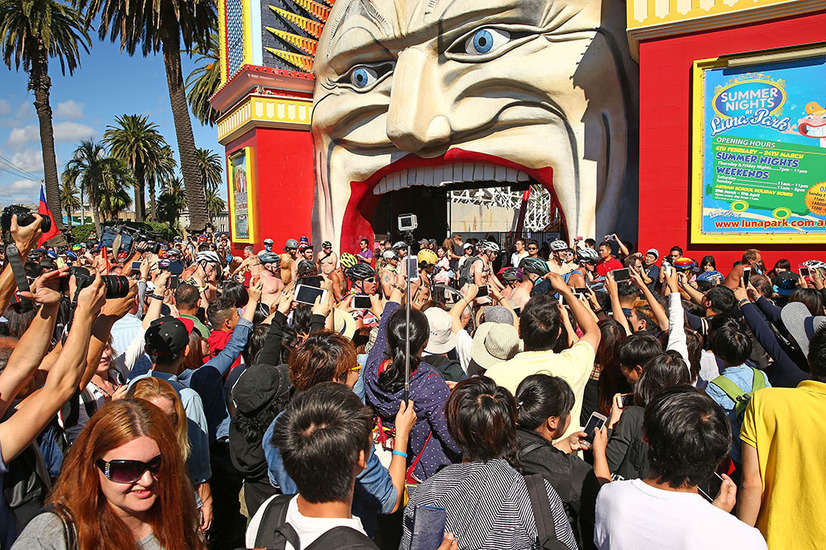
x,y
366,255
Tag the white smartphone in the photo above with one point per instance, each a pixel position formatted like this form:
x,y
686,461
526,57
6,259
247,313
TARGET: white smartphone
x,y
746,276
595,422
305,294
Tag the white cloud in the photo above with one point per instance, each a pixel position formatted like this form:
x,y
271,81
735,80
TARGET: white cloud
x,y
70,109
73,131
5,107
29,160
24,135
21,191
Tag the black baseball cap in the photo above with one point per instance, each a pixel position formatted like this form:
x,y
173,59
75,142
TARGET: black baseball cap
x,y
166,338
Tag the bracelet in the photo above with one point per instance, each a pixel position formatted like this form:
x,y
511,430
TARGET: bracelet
x,y
400,453
743,302
156,297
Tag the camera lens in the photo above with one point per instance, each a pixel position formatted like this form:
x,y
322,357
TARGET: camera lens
x,y
117,286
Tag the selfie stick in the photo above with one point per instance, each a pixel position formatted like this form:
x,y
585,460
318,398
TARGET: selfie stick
x,y
13,255
406,394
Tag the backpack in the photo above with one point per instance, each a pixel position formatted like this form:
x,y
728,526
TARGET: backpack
x,y
274,532
735,393
464,271
542,515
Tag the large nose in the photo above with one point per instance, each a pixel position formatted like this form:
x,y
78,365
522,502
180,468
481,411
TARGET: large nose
x,y
416,119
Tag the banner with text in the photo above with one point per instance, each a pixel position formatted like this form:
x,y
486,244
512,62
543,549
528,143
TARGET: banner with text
x,y
762,174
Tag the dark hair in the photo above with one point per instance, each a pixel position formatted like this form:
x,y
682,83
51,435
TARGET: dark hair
x,y
18,323
763,285
638,348
481,418
324,356
722,299
532,242
236,292
731,345
539,323
663,371
688,435
301,319
694,342
7,345
708,260
186,296
219,311
320,436
677,248
539,397
817,355
811,298
611,380
255,344
627,288
750,255
391,379
782,264
606,244
590,242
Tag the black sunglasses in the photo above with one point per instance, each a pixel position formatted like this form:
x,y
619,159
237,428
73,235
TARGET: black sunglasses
x,y
128,471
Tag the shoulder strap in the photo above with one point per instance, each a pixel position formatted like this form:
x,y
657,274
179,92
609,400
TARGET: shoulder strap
x,y
275,515
287,532
69,530
759,381
543,517
341,538
531,448
732,390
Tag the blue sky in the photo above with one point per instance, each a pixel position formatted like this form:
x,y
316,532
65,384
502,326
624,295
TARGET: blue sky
x,y
108,84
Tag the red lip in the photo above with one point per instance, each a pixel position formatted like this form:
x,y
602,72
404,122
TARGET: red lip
x,y
363,202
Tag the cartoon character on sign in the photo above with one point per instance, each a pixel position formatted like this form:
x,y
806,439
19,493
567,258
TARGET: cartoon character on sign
x,y
452,93
813,125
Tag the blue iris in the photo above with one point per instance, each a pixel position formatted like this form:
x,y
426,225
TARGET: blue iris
x,y
362,77
482,41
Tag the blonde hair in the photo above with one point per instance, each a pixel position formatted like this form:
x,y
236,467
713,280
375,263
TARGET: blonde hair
x,y
152,388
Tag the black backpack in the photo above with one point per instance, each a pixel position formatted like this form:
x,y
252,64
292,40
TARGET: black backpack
x,y
274,532
464,272
542,515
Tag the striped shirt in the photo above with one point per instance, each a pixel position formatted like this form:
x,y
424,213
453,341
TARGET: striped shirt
x,y
488,507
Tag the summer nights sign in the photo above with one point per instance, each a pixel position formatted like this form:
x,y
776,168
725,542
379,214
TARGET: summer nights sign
x,y
760,152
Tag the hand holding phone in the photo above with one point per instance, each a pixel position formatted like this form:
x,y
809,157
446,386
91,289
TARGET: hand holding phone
x,y
595,422
620,275
746,276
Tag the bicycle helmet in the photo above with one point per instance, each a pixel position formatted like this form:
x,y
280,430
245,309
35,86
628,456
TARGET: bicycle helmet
x,y
360,271
512,274
814,264
348,260
269,242
587,255
291,244
207,256
489,246
427,257
71,255
326,244
390,255
559,245
399,245
76,247
537,266
269,258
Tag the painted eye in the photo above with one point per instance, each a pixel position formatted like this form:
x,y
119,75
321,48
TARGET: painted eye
x,y
485,41
362,77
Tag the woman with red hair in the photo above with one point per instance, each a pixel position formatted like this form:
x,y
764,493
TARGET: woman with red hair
x,y
123,485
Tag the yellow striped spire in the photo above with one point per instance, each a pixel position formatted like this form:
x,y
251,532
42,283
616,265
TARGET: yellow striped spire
x,y
313,28
303,62
320,11
304,44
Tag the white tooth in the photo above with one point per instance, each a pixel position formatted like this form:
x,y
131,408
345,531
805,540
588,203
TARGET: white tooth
x,y
510,174
490,172
403,181
478,172
439,175
500,172
447,174
379,188
522,176
413,177
427,177
467,172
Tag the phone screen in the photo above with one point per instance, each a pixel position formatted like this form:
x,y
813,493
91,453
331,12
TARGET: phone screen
x,y
746,276
621,274
412,267
804,271
595,422
483,291
307,294
361,301
173,281
711,487
627,400
136,265
581,290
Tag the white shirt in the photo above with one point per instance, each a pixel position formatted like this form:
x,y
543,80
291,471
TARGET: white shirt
x,y
464,343
635,516
517,257
307,528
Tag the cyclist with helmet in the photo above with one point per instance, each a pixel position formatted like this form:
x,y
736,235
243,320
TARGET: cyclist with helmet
x,y
268,244
518,289
427,262
585,273
401,249
536,271
289,261
327,259
481,272
363,281
270,273
211,264
389,273
339,276
558,263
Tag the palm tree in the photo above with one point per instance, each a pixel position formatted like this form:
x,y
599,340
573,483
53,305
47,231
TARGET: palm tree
x,y
204,81
172,201
116,179
210,167
99,175
162,171
165,26
69,200
137,142
215,204
32,31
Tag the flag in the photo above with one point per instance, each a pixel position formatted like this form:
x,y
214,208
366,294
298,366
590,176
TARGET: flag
x,y
43,210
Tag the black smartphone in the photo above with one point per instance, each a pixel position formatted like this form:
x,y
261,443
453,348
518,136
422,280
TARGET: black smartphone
x,y
312,281
595,422
307,294
428,530
623,274
173,282
136,266
711,487
626,400
804,271
361,301
746,276
581,290
484,290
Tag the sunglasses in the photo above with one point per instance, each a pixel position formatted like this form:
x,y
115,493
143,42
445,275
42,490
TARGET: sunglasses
x,y
128,471
532,248
369,280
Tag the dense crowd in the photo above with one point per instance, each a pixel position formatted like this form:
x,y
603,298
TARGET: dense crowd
x,y
555,395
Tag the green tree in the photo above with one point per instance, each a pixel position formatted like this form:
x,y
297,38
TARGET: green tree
x,y
171,202
161,172
103,178
204,81
136,141
166,26
211,168
32,31
215,204
69,200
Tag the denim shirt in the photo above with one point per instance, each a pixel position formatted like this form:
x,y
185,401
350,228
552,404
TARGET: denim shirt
x,y
207,380
374,491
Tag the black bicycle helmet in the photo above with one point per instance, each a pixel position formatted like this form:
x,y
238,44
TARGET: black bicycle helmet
x,y
269,258
360,272
536,266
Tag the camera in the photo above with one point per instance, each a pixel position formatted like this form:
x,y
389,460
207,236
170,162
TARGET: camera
x,y
149,246
117,286
408,222
24,217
